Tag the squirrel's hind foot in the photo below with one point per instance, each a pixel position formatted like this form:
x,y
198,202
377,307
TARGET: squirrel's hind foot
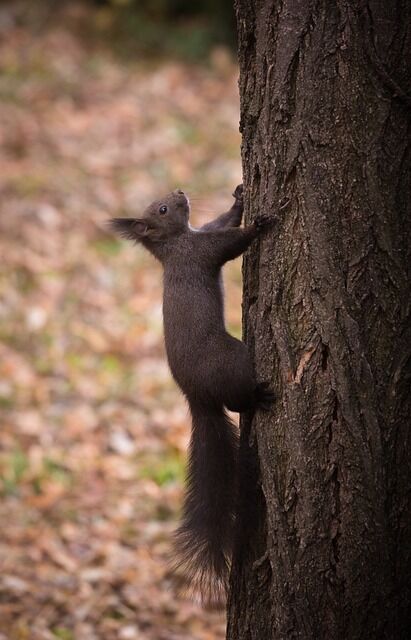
x,y
264,396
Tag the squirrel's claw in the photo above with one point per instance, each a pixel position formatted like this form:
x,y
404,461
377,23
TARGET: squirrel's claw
x,y
263,221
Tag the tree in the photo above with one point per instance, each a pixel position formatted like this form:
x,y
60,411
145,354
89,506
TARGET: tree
x,y
324,531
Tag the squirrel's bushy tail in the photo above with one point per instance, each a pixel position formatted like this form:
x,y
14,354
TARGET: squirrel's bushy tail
x,y
204,538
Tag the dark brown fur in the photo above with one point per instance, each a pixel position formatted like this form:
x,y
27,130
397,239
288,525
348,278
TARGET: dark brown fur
x,y
212,368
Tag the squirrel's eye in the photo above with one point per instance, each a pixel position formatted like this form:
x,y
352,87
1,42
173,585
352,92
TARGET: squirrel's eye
x,y
163,208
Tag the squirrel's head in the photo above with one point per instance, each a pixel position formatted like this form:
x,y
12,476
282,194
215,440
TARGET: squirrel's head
x,y
161,220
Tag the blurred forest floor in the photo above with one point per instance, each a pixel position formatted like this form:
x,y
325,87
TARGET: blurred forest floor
x,y
93,431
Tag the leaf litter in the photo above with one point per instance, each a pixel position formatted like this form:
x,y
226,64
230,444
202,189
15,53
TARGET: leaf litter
x,y
93,430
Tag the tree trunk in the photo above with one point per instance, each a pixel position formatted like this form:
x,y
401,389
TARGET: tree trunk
x,y
324,532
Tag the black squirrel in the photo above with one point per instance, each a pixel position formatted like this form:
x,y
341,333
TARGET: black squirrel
x,y
212,368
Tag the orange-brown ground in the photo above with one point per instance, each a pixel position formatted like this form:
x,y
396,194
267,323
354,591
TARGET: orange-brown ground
x,y
93,430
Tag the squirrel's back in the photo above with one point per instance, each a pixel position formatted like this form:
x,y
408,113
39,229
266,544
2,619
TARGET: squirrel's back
x,y
193,312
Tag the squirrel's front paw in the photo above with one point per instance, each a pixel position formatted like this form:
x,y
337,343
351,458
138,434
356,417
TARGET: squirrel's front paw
x,y
263,221
238,192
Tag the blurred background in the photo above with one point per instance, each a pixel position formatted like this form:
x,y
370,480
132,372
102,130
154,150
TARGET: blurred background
x,y
104,107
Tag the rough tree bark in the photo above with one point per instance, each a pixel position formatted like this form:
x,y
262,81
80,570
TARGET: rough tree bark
x,y
324,535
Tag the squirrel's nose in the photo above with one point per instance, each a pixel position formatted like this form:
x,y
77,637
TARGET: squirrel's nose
x,y
179,192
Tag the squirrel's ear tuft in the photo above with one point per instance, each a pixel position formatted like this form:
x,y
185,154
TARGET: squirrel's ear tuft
x,y
129,228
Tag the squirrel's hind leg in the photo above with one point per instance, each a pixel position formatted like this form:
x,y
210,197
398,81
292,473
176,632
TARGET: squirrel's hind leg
x,y
239,391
